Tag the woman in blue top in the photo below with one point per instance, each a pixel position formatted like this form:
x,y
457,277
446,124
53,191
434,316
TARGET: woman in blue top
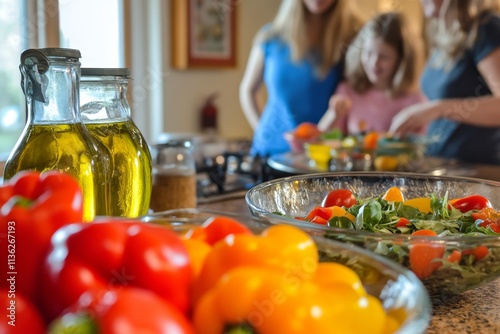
x,y
461,81
298,57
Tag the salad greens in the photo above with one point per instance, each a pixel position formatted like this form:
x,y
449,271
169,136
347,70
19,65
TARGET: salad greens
x,y
378,215
458,269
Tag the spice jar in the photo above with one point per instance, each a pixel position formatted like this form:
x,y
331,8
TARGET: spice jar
x,y
54,138
174,177
105,112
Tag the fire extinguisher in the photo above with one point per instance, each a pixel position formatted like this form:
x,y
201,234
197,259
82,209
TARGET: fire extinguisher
x,y
208,119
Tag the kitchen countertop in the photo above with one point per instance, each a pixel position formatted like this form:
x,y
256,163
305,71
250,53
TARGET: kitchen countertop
x,y
476,311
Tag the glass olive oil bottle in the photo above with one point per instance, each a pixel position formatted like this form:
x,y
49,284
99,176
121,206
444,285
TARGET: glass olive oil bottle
x,y
54,137
106,114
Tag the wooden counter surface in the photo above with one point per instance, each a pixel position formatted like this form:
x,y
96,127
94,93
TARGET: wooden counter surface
x,y
476,311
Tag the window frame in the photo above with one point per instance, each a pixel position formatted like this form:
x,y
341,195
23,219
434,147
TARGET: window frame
x,y
143,52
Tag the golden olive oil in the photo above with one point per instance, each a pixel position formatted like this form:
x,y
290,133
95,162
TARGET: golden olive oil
x,y
63,147
131,167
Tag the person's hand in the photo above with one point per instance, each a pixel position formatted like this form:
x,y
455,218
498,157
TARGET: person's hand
x,y
414,118
338,108
341,105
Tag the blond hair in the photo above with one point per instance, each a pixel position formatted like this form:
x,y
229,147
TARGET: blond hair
x,y
456,28
291,24
392,28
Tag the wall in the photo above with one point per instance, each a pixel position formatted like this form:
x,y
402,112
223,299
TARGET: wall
x,y
183,92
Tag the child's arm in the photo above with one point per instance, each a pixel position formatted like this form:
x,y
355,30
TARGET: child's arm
x,y
338,108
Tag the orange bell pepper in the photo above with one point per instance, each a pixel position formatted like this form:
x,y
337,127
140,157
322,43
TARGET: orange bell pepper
x,y
279,247
199,240
216,228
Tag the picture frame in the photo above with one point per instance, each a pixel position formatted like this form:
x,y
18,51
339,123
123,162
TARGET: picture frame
x,y
203,33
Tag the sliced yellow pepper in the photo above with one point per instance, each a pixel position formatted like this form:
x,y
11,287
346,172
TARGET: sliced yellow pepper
x,y
393,194
423,204
338,211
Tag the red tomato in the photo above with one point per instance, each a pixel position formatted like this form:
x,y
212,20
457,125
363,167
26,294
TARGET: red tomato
x,y
479,252
424,255
490,218
455,256
339,197
491,224
403,222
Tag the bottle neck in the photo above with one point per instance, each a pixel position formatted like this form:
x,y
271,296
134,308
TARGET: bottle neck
x,y
60,91
104,99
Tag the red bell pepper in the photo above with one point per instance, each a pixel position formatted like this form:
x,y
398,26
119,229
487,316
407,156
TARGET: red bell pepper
x,y
21,315
125,310
217,228
32,207
113,253
472,202
319,215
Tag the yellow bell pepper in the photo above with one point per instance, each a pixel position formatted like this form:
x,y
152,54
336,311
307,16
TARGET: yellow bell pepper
x,y
423,204
274,283
268,303
393,194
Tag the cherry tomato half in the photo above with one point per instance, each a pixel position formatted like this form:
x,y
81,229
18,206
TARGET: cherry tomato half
x,y
339,197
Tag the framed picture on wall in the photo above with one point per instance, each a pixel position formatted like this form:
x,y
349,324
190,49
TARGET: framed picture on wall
x,y
203,33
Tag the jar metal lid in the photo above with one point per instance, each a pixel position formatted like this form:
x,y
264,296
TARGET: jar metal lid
x,y
51,52
102,71
40,57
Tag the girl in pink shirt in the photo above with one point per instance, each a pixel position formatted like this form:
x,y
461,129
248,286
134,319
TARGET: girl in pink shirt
x,y
381,74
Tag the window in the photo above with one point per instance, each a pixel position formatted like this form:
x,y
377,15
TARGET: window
x,y
12,111
98,34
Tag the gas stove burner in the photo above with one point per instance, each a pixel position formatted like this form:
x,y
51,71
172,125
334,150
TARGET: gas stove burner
x,y
229,172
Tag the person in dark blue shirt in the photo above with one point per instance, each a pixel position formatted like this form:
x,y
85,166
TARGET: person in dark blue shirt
x,y
461,81
298,57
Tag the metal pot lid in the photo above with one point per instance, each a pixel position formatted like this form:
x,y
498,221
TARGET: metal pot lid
x,y
196,138
102,71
